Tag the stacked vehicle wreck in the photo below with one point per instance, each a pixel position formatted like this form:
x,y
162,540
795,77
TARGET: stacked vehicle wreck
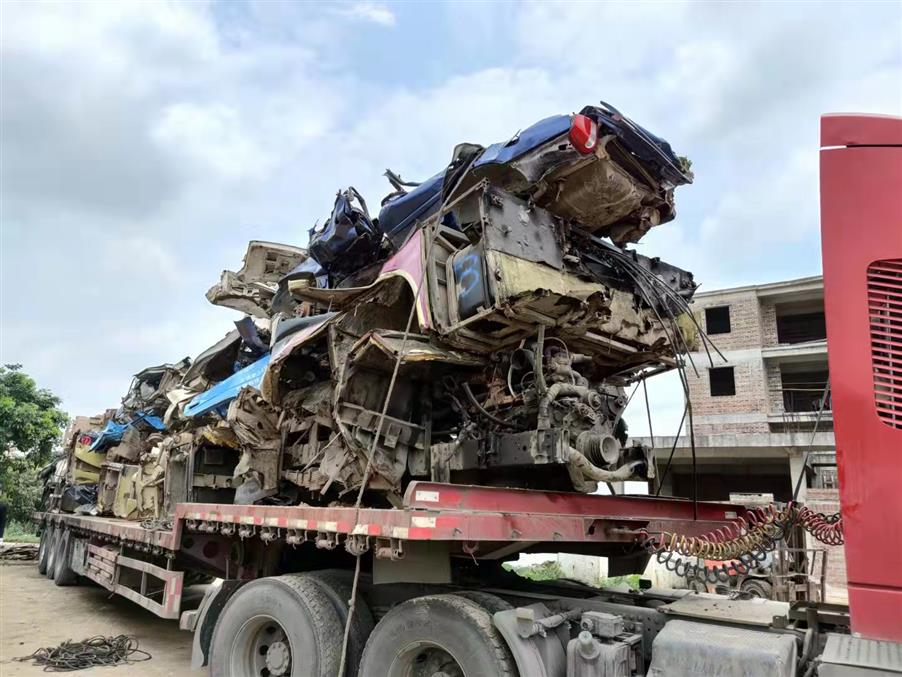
x,y
482,330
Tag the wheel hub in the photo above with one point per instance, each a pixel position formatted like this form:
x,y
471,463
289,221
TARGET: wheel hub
x,y
427,661
278,658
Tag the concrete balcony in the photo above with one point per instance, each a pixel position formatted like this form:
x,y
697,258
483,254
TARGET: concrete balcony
x,y
791,417
796,352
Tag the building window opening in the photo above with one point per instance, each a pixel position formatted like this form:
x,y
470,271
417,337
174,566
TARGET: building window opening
x,y
801,323
803,390
723,381
717,320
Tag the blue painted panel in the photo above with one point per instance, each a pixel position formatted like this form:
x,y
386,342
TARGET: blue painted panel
x,y
471,286
219,396
530,138
113,432
398,215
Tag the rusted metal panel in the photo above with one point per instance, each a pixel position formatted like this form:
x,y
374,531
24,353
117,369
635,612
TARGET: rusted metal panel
x,y
116,528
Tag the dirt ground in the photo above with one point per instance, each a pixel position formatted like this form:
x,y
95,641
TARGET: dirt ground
x,y
34,613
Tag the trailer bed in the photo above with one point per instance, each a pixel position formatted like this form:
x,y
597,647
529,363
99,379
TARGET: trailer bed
x,y
466,515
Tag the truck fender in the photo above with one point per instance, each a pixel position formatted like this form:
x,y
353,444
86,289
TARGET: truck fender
x,y
537,656
202,621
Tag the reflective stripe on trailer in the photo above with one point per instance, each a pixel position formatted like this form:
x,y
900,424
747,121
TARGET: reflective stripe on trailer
x,y
462,513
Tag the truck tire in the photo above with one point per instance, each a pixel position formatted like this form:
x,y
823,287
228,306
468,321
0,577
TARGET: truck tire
x,y
755,587
338,584
491,603
438,634
43,551
50,571
64,575
277,627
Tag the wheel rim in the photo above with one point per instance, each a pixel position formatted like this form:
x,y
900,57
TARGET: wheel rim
x,y
425,659
42,547
262,648
51,551
755,591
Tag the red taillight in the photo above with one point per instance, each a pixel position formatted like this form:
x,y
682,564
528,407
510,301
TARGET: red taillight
x,y
583,134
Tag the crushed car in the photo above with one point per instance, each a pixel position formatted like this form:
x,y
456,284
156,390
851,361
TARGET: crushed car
x,y
497,306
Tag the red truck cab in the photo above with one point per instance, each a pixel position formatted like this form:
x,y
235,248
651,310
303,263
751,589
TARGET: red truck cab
x,y
861,227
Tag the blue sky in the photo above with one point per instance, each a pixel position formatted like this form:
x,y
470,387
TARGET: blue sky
x,y
144,144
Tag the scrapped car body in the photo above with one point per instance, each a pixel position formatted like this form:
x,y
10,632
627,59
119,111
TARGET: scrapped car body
x,y
482,329
251,289
511,293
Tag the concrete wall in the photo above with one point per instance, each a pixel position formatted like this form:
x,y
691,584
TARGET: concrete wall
x,y
586,569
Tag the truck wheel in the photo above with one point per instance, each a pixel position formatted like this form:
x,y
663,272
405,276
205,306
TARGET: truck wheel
x,y
43,550
64,574
437,635
277,626
755,587
491,603
338,584
50,571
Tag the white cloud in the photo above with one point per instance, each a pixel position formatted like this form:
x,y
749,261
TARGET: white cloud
x,y
144,144
213,137
141,259
373,12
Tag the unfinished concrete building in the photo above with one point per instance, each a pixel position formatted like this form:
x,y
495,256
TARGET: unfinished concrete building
x,y
754,413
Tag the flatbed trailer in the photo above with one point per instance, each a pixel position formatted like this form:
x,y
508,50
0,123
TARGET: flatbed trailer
x,y
440,551
475,522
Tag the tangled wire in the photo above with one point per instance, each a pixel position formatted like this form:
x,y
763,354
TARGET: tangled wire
x,y
92,652
741,546
18,553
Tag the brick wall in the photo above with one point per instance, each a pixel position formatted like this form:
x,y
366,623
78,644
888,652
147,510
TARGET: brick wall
x,y
741,347
768,325
745,320
774,385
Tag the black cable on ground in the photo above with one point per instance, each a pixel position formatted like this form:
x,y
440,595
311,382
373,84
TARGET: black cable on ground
x,y
20,552
93,652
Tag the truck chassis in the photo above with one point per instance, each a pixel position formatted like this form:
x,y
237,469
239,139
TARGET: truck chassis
x,y
441,551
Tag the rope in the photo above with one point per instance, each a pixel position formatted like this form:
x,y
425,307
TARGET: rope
x,y
89,653
352,603
672,450
651,432
820,412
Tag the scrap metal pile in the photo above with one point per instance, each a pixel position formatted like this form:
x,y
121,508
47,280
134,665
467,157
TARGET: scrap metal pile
x,y
496,305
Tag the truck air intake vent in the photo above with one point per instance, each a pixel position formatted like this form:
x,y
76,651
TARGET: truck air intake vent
x,y
885,312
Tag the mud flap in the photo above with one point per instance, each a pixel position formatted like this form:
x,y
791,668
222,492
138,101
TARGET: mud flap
x,y
202,621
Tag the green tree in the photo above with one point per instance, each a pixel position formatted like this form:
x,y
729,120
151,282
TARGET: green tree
x,y
30,418
30,422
